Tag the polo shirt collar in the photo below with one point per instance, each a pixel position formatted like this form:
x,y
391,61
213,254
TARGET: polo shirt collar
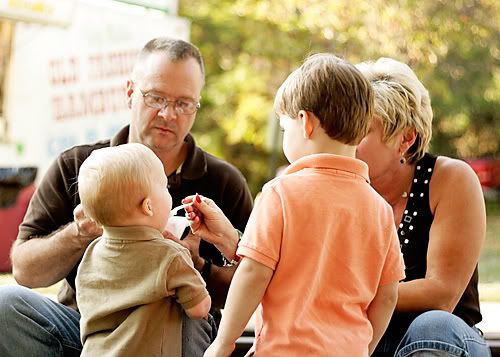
x,y
332,162
195,165
121,137
132,233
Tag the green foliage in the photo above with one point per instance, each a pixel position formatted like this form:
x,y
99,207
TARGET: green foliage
x,y
251,46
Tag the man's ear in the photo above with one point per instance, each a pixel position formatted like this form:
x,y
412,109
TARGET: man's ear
x,y
147,207
307,123
130,91
407,139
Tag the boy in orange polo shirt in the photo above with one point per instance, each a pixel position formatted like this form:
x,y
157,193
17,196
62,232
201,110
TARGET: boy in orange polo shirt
x,y
320,254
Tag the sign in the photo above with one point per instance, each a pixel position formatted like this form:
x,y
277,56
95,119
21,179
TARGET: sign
x,y
47,12
168,6
67,86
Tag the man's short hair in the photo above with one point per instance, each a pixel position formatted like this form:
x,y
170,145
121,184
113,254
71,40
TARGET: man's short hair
x,y
334,91
174,49
113,181
401,102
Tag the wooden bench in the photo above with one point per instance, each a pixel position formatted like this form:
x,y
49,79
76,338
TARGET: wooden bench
x,y
244,343
493,340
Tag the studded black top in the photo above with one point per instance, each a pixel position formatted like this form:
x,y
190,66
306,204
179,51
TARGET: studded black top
x,y
413,232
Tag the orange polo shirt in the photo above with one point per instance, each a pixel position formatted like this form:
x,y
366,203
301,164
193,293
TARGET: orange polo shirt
x,y
331,241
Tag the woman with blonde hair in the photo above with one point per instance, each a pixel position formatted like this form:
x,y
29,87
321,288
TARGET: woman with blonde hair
x,y
440,219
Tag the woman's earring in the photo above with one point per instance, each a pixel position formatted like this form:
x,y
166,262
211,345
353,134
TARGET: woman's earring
x,y
402,160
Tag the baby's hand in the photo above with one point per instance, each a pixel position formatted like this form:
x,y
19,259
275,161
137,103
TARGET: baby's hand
x,y
87,228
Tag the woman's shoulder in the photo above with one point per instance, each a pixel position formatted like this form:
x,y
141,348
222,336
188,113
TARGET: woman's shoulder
x,y
453,177
448,168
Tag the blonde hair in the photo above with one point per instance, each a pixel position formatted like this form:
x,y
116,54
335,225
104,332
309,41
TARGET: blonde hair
x,y
401,102
113,181
334,91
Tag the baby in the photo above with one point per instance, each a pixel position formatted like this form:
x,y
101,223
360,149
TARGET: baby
x,y
132,284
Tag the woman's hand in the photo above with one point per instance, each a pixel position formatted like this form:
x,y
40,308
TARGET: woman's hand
x,y
209,222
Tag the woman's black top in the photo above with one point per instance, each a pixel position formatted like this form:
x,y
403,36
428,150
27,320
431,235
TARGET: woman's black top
x,y
413,232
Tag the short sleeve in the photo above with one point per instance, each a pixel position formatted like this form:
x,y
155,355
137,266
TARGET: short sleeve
x,y
263,234
184,281
52,204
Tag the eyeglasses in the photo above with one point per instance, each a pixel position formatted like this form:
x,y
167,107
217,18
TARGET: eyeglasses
x,y
185,107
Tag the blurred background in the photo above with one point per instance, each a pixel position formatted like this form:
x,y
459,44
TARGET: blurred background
x,y
64,65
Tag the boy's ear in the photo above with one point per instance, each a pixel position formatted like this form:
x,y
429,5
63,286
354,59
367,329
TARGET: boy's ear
x,y
307,123
147,207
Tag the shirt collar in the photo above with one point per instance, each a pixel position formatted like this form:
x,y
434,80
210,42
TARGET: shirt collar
x,y
132,233
330,161
195,165
121,137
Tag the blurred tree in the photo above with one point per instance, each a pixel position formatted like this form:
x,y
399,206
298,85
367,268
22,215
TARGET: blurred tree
x,y
250,47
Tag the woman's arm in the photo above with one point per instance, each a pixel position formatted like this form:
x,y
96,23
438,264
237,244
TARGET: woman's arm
x,y
208,222
455,239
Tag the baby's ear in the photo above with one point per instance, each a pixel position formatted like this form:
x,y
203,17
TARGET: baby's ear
x,y
147,207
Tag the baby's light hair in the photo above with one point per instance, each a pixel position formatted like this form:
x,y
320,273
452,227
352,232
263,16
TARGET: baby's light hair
x,y
401,102
114,181
334,91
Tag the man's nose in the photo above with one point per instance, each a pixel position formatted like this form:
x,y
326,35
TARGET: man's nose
x,y
168,111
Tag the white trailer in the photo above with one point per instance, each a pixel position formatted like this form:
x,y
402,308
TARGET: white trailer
x,y
65,83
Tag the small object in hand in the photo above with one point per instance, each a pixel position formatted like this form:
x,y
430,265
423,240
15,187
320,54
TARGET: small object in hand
x,y
177,225
174,211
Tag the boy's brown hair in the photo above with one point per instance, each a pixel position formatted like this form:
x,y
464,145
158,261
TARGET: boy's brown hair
x,y
333,90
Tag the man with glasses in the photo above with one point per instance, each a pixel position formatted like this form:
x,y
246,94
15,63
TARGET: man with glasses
x,y
163,96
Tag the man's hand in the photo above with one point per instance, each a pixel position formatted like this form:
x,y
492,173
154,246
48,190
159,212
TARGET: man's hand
x,y
33,259
88,230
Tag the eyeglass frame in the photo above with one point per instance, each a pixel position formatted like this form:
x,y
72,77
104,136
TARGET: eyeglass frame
x,y
176,109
